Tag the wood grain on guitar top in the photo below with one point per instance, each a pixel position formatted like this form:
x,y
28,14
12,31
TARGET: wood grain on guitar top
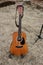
x,y
18,51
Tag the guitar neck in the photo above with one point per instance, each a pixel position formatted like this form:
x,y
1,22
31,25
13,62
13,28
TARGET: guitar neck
x,y
19,30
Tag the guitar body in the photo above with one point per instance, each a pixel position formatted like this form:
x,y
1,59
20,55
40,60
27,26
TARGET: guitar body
x,y
16,47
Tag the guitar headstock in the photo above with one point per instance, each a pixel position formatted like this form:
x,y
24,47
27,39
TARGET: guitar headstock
x,y
20,9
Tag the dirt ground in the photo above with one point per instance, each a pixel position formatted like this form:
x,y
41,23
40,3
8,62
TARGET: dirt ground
x,y
31,25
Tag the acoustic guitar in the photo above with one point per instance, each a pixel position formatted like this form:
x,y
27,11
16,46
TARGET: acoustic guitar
x,y
18,46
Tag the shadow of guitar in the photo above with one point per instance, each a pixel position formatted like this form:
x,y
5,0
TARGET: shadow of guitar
x,y
7,3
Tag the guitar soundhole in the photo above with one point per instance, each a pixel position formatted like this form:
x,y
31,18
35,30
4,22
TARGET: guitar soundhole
x,y
22,41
